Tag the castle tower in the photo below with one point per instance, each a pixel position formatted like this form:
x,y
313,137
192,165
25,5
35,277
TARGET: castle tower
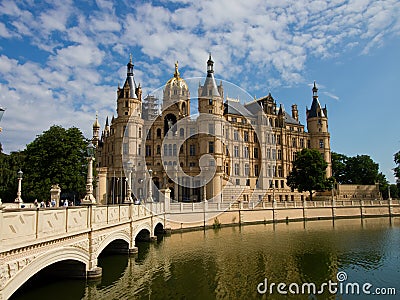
x,y
121,142
317,126
211,124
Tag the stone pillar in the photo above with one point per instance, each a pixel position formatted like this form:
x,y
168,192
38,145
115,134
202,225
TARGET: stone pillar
x,y
55,193
167,199
101,188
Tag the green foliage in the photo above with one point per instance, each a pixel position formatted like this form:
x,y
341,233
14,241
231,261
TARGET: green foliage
x,y
309,172
360,169
55,157
9,166
339,166
394,191
383,185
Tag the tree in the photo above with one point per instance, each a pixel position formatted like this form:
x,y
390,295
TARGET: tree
x,y
55,157
9,166
361,169
309,172
339,167
383,185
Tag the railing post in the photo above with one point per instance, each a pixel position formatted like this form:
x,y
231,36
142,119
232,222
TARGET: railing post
x,y
273,210
333,208
361,208
390,207
37,222
304,210
66,219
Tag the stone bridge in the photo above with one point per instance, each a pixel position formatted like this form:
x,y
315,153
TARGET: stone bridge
x,y
74,237
32,239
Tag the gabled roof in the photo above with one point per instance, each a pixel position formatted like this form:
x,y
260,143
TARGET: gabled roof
x,y
236,108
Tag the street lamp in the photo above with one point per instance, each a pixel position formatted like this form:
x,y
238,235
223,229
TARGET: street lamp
x,y
19,199
128,197
204,190
89,198
150,197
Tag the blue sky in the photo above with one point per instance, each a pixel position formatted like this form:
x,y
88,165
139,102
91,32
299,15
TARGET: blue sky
x,y
61,61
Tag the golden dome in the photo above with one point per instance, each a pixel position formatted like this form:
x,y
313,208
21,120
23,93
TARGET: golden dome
x,y
176,80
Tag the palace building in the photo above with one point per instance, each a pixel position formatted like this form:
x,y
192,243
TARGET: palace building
x,y
227,151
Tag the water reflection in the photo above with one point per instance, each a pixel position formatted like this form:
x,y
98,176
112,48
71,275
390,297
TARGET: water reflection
x,y
230,262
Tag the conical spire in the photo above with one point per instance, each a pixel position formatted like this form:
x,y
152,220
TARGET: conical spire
x,y
315,90
130,80
210,65
210,87
96,123
315,109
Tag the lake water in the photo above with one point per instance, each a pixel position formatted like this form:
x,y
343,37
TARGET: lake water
x,y
230,263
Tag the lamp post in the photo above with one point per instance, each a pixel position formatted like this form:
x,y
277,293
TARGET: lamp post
x,y
89,198
204,190
150,191
19,199
128,197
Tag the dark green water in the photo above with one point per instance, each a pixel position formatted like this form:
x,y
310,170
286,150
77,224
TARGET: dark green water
x,y
230,263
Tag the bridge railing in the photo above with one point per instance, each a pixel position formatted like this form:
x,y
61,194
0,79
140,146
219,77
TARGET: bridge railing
x,y
22,227
26,226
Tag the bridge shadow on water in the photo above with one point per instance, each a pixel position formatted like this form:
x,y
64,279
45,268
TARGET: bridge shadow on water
x,y
53,282
66,279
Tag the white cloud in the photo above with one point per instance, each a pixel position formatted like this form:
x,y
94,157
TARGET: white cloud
x,y
272,41
4,32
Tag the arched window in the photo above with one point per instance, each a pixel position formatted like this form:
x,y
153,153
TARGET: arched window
x,y
181,132
158,132
183,108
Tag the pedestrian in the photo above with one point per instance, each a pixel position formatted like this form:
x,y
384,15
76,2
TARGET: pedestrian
x,y
36,203
42,204
65,203
53,203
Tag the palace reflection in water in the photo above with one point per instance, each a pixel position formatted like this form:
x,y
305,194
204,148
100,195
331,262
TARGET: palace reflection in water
x,y
229,263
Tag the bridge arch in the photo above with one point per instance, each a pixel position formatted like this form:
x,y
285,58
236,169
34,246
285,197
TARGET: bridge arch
x,y
39,263
121,235
143,232
158,228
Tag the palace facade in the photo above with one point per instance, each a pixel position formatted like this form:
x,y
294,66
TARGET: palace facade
x,y
227,151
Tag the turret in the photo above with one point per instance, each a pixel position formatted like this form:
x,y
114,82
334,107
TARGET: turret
x,y
176,96
317,126
129,96
210,94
